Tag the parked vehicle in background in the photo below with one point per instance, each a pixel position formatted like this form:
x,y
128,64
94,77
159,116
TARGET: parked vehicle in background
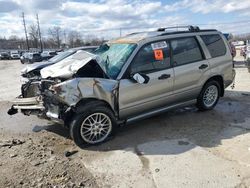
x,y
248,61
34,57
14,55
32,72
233,49
247,49
31,57
4,55
24,57
130,78
243,51
46,55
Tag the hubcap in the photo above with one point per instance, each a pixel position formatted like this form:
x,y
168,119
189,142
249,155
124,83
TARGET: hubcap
x,y
96,128
210,96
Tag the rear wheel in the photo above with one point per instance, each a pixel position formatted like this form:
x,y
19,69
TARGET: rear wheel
x,y
94,125
209,96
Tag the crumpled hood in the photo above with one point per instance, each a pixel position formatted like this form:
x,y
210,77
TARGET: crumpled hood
x,y
34,66
68,67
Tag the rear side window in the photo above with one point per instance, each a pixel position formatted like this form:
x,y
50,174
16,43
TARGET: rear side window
x,y
215,45
36,55
185,50
151,58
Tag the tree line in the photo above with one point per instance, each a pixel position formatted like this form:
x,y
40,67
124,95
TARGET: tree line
x,y
242,37
56,38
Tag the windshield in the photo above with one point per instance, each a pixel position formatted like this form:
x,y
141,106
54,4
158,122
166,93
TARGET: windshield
x,y
113,56
61,56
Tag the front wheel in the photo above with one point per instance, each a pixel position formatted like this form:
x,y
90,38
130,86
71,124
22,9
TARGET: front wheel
x,y
94,125
209,96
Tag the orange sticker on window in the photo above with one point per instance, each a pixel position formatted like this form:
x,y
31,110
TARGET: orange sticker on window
x,y
159,55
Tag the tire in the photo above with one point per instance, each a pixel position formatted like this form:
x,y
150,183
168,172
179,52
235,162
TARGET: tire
x,y
82,125
209,96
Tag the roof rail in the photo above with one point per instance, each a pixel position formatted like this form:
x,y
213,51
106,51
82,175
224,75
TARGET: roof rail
x,y
189,27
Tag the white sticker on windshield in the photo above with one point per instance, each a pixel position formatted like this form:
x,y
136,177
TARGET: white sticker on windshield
x,y
159,45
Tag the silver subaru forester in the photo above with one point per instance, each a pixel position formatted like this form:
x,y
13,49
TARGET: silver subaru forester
x,y
128,79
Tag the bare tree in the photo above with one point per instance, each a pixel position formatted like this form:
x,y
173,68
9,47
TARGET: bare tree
x,y
34,35
13,42
58,39
56,35
244,37
93,40
74,39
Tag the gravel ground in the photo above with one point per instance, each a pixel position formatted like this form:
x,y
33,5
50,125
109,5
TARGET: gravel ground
x,y
182,148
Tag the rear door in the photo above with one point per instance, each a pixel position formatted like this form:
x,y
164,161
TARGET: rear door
x,y
190,67
153,59
221,61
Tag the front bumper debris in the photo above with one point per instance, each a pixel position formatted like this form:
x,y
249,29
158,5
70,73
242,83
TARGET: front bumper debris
x,y
32,103
35,105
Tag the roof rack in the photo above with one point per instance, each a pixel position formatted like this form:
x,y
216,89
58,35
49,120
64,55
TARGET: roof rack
x,y
189,27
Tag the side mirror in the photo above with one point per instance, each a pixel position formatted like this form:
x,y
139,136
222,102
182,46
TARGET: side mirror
x,y
140,78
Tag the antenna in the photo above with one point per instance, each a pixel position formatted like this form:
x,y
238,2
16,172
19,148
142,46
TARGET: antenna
x,y
39,32
25,30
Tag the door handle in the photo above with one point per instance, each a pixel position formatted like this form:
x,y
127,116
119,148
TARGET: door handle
x,y
203,66
164,76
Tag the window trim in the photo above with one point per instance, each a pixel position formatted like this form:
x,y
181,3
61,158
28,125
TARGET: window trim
x,y
199,46
170,53
207,46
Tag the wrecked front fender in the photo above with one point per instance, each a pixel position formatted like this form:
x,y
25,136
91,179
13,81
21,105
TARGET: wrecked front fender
x,y
73,91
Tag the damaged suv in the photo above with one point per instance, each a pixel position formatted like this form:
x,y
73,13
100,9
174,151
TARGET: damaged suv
x,y
131,78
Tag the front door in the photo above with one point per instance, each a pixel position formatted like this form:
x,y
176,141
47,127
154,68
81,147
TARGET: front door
x,y
153,59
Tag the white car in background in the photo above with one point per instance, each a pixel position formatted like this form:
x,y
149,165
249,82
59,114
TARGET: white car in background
x,y
14,55
248,59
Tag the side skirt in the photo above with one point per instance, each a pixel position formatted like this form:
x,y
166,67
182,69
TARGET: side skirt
x,y
159,111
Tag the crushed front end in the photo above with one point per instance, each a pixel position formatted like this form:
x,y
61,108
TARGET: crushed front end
x,y
62,86
37,99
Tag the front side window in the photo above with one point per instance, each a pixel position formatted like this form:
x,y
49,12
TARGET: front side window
x,y
185,50
152,57
215,45
114,56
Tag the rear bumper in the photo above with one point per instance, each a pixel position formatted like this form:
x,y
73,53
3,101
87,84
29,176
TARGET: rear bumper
x,y
234,74
231,80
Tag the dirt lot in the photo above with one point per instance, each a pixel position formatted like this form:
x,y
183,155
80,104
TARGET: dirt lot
x,y
182,148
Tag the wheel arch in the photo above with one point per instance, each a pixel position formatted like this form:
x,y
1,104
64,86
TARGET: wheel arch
x,y
80,107
220,80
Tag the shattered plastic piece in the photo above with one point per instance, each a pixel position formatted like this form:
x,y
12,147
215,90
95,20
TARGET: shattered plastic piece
x,y
11,143
69,153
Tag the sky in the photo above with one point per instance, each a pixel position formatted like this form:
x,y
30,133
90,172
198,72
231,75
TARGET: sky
x,y
105,17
